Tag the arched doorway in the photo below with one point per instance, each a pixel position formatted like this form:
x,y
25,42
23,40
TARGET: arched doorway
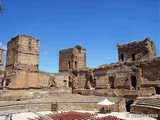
x,y
65,83
128,105
134,81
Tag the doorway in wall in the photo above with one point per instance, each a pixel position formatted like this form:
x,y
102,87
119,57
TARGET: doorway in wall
x,y
157,90
133,57
122,57
128,105
111,81
134,81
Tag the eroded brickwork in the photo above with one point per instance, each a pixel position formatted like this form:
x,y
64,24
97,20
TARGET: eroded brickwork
x,y
142,72
1,67
22,62
136,51
136,74
23,53
72,58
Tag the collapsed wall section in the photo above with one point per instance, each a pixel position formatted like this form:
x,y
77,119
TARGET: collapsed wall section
x,y
129,75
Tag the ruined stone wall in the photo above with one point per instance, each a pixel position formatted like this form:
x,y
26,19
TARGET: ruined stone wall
x,y
84,79
146,106
61,80
116,76
23,51
72,58
37,106
145,110
128,75
1,57
1,67
151,72
50,106
23,79
138,67
116,92
53,80
136,51
46,80
22,62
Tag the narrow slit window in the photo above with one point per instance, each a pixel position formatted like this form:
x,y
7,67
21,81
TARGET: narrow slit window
x,y
75,64
69,65
133,57
122,57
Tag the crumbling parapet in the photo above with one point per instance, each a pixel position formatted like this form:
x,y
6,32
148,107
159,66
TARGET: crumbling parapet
x,y
138,50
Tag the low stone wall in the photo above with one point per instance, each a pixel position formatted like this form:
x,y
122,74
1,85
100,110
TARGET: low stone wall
x,y
17,95
60,106
146,110
85,106
39,106
116,92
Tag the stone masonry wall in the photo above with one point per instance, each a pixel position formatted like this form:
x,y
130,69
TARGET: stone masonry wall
x,y
22,62
72,58
136,51
1,67
151,72
128,75
61,80
22,52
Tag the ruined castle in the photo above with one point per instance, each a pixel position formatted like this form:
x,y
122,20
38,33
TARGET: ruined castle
x,y
136,74
138,68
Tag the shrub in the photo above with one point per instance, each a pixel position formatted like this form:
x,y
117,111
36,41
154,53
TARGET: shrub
x,y
78,47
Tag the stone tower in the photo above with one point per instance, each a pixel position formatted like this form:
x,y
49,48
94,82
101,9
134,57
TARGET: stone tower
x,y
22,62
72,58
1,67
136,51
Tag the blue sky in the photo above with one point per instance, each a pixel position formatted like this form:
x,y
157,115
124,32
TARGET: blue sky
x,y
97,25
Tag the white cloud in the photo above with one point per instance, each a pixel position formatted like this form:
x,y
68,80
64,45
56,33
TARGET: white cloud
x,y
4,47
